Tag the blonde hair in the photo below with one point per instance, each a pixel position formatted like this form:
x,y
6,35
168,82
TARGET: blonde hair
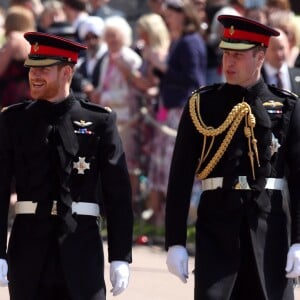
x,y
121,25
19,18
287,22
155,28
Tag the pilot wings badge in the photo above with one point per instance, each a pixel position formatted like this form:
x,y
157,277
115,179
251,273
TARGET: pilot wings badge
x,y
82,123
272,103
273,107
82,127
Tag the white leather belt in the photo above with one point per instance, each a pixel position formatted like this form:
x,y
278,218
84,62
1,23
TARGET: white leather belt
x,y
79,208
242,184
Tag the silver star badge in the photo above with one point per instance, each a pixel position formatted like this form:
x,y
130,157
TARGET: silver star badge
x,y
81,165
274,145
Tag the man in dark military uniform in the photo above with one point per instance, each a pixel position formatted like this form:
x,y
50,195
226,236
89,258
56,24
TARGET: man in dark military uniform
x,y
59,149
242,139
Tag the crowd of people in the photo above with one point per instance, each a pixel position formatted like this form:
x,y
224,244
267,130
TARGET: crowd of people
x,y
144,72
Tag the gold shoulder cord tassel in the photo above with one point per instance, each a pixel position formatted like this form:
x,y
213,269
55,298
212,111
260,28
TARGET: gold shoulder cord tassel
x,y
232,122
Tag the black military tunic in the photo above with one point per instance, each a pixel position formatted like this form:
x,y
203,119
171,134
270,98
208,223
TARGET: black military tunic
x,y
62,151
242,236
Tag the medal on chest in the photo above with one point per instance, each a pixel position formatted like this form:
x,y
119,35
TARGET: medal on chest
x,y
82,127
81,165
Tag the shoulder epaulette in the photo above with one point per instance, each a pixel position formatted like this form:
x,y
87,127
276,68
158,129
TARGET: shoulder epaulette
x,y
281,92
94,106
16,107
208,88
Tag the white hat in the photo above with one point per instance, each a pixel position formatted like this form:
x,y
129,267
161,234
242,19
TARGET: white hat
x,y
91,24
175,4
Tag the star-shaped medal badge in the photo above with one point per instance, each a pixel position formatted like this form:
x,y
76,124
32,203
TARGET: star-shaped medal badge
x,y
81,165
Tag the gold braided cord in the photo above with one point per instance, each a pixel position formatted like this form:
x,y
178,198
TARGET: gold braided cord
x,y
210,131
223,147
203,155
232,122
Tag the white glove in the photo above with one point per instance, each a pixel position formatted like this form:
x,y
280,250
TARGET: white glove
x,y
119,276
293,262
3,272
177,262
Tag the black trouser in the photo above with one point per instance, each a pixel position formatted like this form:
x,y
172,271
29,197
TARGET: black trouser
x,y
247,285
222,285
52,285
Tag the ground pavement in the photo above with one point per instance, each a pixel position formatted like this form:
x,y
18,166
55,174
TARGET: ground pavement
x,y
150,279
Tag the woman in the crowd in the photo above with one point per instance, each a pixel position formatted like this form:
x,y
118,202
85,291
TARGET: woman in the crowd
x,y
115,91
13,74
152,37
182,73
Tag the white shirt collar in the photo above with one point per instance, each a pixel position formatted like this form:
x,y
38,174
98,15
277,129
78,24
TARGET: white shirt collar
x,y
284,71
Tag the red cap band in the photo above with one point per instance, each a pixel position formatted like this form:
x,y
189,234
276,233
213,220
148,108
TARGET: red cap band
x,y
37,49
232,33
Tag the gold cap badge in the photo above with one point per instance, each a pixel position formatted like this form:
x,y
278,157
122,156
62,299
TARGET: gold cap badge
x,y
36,47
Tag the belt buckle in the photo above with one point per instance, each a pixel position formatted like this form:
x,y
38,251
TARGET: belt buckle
x,y
54,209
242,183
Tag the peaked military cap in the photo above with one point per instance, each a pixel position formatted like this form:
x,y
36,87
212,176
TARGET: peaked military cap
x,y
242,34
48,49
